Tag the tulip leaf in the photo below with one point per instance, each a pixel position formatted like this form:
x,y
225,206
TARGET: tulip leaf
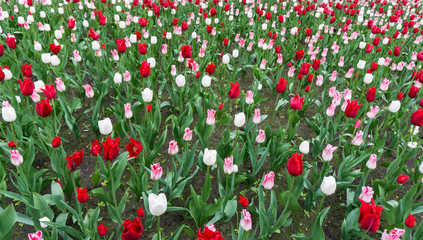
x,y
230,209
317,231
7,219
289,201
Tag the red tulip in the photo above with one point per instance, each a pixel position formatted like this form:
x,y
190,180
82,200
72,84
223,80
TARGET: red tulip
x,y
299,54
145,69
132,229
234,91
82,195
143,22
1,50
297,102
316,64
55,49
281,86
397,51
95,148
49,91
121,45
134,147
352,108
225,42
56,142
278,49
421,102
417,118
101,229
402,179
410,221
140,212
74,160
26,70
419,55
27,86
184,26
142,48
93,34
371,94
43,108
399,96
295,165
71,23
305,68
186,51
209,233
244,201
413,91
11,42
369,218
210,68
110,149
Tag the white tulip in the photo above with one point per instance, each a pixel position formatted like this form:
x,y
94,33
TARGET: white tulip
x,y
394,106
157,204
46,58
54,60
147,95
95,45
105,126
117,78
8,113
7,74
180,80
152,62
239,119
226,59
44,219
206,81
209,157
328,185
305,147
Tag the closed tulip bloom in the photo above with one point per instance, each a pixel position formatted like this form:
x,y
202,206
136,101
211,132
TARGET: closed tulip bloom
x,y
394,106
89,93
206,81
60,85
417,117
352,108
269,180
234,91
49,91
295,165
117,78
372,112
126,76
105,126
413,92
210,117
42,220
8,113
366,193
261,137
385,84
16,158
394,234
361,64
281,86
297,102
26,70
173,147
186,51
410,221
82,195
305,147
226,59
228,167
145,69
187,134
35,236
358,139
330,111
371,94
246,222
402,179
327,153
328,185
121,46
56,142
111,149
128,111
209,157
27,86
43,108
249,98
156,171
371,163
239,119
147,95
180,80
257,117
368,78
157,204
102,230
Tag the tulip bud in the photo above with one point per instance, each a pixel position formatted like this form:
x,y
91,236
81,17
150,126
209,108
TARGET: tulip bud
x,y
239,119
206,81
105,126
147,95
180,80
157,204
209,157
305,147
394,106
328,185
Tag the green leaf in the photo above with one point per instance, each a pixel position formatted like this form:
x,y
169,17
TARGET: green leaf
x,y
7,219
230,209
288,198
317,231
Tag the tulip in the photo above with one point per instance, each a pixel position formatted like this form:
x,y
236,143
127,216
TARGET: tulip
x,y
35,236
257,117
328,185
249,97
16,158
42,220
111,148
246,223
186,51
26,70
366,193
269,180
60,85
402,179
226,59
228,167
49,91
156,171
369,218
239,119
234,91
410,221
210,117
295,165
352,108
188,134
261,136
134,148
371,94
206,81
132,229
327,154
117,78
43,108
394,106
244,201
358,139
305,147
209,157
173,147
371,163
8,112
281,86
157,204
105,126
102,230
89,93
394,234
121,46
95,148
27,86
128,111
180,80
56,142
209,233
145,69
417,118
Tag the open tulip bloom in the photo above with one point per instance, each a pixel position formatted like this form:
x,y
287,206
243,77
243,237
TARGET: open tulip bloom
x,y
304,110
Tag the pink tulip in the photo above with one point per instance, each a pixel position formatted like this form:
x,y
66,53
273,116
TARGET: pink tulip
x,y
372,112
246,222
269,180
319,80
76,56
330,110
210,117
128,111
256,118
371,163
249,97
187,134
263,64
347,94
173,147
60,85
35,96
357,123
164,49
88,91
384,85
327,154
126,76
35,236
228,168
358,139
394,234
115,55
332,92
16,158
173,70
156,171
366,193
261,136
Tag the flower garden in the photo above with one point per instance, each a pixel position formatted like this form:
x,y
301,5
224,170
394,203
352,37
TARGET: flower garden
x,y
211,120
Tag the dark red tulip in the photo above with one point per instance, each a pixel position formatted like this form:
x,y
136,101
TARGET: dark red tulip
x,y
352,108
295,165
234,91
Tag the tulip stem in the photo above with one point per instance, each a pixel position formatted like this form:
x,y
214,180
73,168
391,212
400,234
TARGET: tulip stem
x,y
321,203
364,235
236,138
112,181
274,111
158,228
